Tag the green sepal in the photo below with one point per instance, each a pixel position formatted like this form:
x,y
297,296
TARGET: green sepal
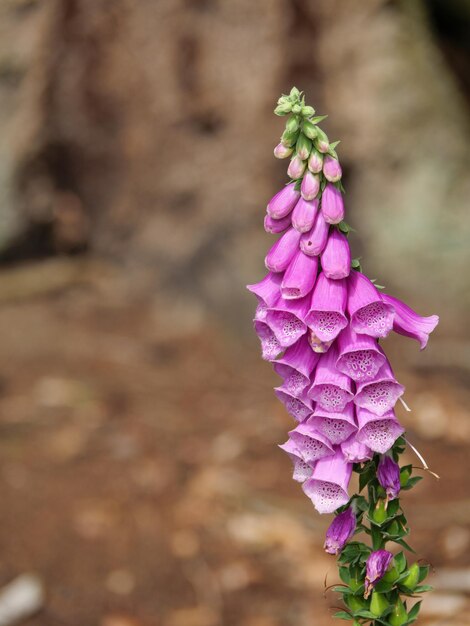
x,y
292,124
403,544
405,474
289,138
413,613
423,588
318,119
423,572
356,264
400,562
412,482
309,129
345,228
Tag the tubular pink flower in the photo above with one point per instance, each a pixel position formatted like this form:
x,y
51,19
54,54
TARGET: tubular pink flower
x,y
310,186
310,444
378,432
340,531
388,475
379,394
326,316
295,366
277,226
286,320
302,470
299,408
300,276
370,315
283,202
354,451
267,290
282,152
328,486
336,257
331,389
283,251
332,205
332,169
270,347
336,427
315,162
314,242
360,356
303,215
407,322
296,167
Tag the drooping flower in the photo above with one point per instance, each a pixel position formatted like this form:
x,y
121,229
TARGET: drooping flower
x,y
331,389
379,394
283,251
283,202
336,257
336,426
274,226
267,292
311,444
407,322
302,470
388,475
310,186
332,169
332,205
300,276
326,316
376,566
328,486
296,167
270,346
313,243
355,451
359,356
340,531
295,366
303,215
369,313
378,432
286,318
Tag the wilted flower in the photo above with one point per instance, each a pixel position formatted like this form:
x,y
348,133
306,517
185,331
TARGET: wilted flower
x,y
388,474
340,531
376,566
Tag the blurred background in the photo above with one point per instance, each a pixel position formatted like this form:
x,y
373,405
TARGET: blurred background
x,y
140,482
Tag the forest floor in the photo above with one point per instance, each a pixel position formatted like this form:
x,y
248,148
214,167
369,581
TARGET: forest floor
x,y
141,482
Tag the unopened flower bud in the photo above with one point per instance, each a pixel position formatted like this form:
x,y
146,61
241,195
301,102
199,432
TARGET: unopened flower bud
x,y
310,186
321,142
355,603
388,474
289,138
303,147
332,205
378,604
282,152
332,169
412,578
379,515
309,129
307,111
283,108
398,616
292,124
296,167
296,109
376,566
315,162
340,531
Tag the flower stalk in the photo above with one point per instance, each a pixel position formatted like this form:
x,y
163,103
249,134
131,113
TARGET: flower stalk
x,y
321,323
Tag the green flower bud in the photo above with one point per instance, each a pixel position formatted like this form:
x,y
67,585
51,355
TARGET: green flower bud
x,y
309,129
380,512
294,93
412,578
394,528
303,147
283,109
296,109
292,124
398,616
405,474
322,143
391,575
378,603
289,138
307,111
355,603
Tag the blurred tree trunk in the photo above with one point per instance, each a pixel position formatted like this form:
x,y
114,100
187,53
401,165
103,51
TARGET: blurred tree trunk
x,y
142,131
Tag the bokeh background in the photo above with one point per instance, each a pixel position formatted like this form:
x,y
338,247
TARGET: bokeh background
x,y
140,482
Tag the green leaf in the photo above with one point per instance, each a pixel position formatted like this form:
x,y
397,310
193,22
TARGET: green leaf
x,y
423,588
356,264
365,613
423,572
412,482
344,575
403,544
400,562
318,119
413,613
343,615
